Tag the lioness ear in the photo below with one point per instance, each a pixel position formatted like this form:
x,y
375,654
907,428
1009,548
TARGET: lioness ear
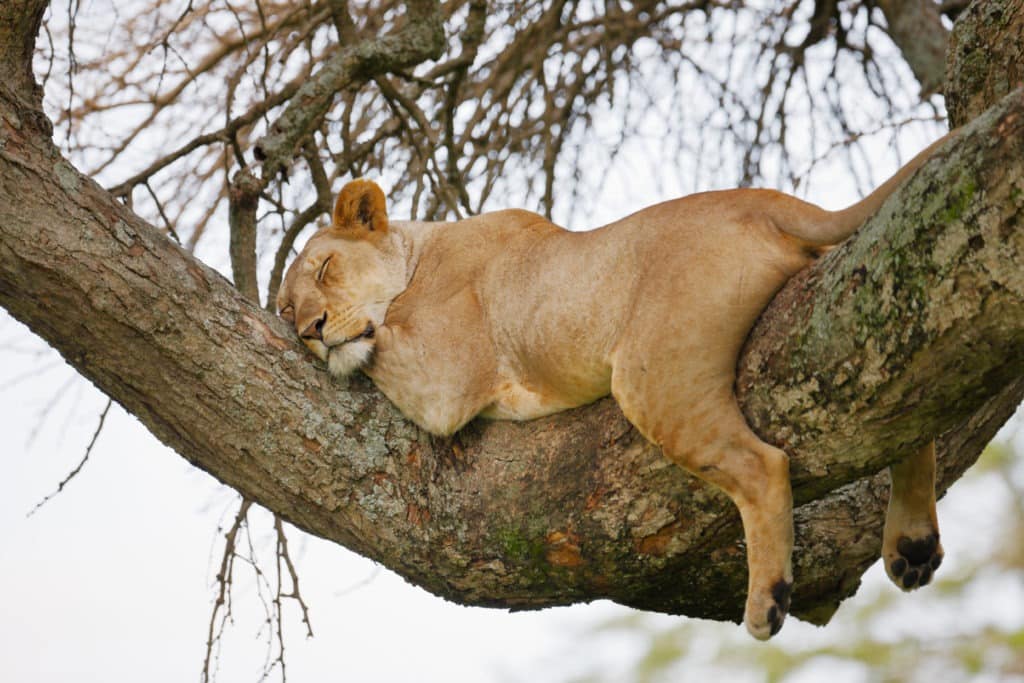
x,y
360,207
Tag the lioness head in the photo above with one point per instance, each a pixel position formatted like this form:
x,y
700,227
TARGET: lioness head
x,y
338,289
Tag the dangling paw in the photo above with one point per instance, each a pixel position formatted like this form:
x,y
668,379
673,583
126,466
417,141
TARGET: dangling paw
x,y
767,610
911,550
910,561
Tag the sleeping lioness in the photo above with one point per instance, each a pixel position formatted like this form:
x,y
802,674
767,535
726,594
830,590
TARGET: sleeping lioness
x,y
507,316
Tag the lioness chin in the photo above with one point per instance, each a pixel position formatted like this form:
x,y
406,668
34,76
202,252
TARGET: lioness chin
x,y
507,316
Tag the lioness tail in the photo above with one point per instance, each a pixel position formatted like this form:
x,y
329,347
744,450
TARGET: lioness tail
x,y
832,227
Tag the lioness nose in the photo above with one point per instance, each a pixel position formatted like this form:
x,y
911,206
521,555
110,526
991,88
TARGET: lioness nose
x,y
315,330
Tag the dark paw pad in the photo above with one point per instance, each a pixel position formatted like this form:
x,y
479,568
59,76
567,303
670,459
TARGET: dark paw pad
x,y
918,551
918,559
781,592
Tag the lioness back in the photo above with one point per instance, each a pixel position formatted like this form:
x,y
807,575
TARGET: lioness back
x,y
545,310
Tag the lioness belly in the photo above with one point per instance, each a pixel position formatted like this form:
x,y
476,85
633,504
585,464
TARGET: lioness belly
x,y
516,401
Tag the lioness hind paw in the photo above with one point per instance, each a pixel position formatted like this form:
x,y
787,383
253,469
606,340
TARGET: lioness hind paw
x,y
914,562
764,617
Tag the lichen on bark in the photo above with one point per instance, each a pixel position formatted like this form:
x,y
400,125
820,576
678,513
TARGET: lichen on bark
x,y
985,58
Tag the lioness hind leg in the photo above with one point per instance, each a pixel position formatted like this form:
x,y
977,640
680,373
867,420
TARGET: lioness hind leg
x,y
911,550
696,421
755,476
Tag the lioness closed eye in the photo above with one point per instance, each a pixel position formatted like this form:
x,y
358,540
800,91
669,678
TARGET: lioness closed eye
x,y
508,316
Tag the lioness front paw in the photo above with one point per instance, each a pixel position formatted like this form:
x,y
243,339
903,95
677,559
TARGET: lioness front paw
x,y
913,561
766,612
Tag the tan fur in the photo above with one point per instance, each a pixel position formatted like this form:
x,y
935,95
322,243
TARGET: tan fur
x,y
508,316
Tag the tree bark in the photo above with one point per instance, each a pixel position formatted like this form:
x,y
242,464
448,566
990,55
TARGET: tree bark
x,y
985,60
913,329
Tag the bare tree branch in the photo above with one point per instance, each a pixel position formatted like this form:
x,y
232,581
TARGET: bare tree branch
x,y
421,38
244,200
916,27
225,578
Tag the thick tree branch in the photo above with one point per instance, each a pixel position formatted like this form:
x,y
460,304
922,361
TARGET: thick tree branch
x,y
913,329
922,312
985,60
19,26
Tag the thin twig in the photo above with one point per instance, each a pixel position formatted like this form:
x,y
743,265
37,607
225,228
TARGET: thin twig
x,y
80,465
283,555
224,579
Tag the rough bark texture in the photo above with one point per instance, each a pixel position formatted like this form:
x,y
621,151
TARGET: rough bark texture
x,y
915,328
244,197
985,60
19,23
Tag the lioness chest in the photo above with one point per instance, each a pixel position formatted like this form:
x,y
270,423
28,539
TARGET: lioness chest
x,y
511,333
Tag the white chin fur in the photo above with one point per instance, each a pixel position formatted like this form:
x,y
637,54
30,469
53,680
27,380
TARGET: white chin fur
x,y
345,359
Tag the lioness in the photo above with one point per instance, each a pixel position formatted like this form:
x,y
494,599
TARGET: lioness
x,y
507,316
